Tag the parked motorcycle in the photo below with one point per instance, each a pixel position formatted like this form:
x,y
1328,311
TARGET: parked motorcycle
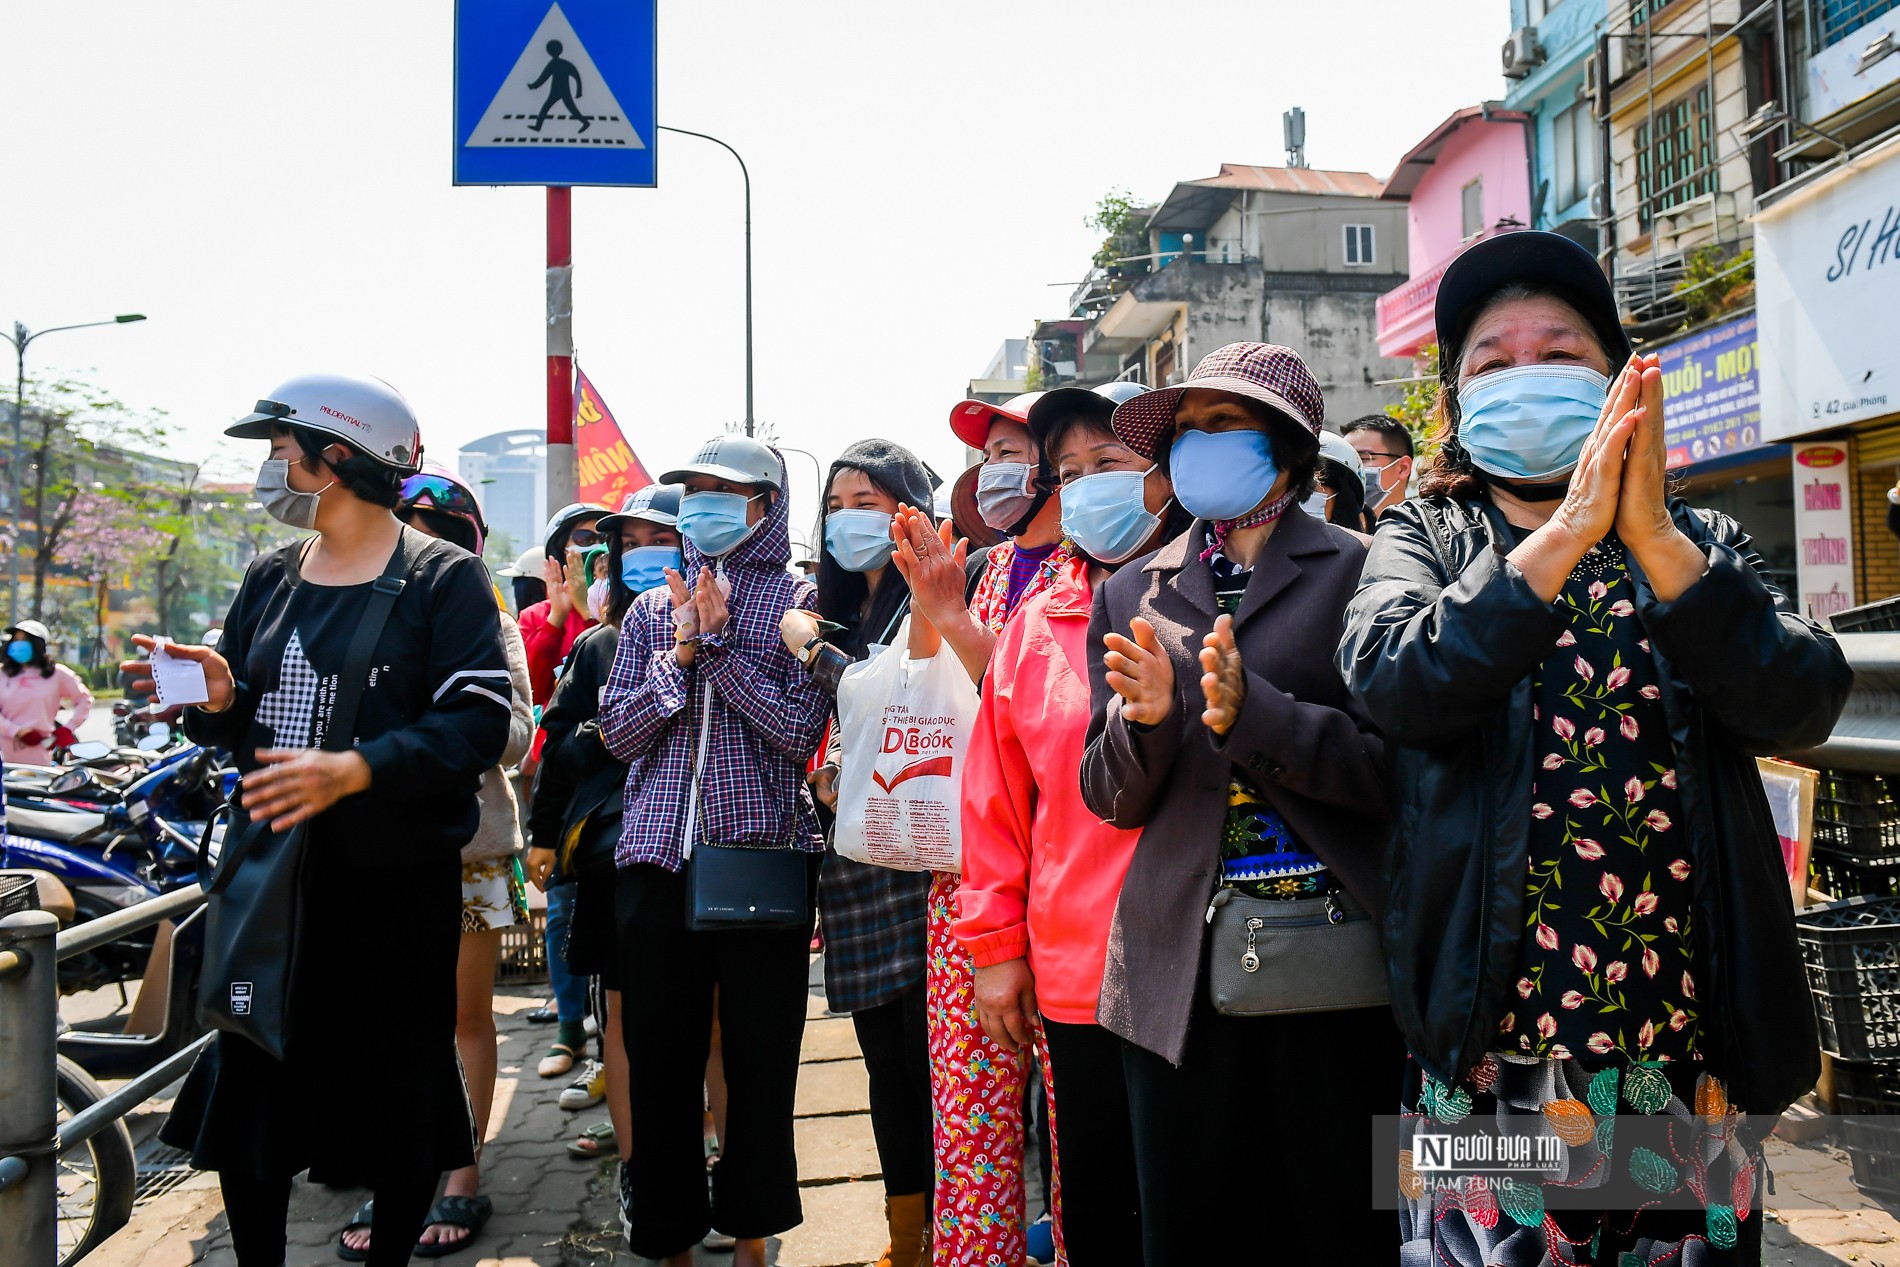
x,y
112,845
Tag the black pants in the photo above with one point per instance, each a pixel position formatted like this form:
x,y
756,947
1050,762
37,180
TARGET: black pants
x,y
1269,1115
896,1048
668,976
1101,1200
258,1210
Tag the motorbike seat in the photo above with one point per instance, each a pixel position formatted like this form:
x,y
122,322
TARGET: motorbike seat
x,y
57,825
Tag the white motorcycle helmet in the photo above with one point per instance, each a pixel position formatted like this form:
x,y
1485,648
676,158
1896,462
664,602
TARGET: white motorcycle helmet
x,y
365,413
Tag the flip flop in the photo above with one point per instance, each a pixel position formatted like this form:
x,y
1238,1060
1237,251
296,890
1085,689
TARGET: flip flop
x,y
365,1214
464,1212
594,1142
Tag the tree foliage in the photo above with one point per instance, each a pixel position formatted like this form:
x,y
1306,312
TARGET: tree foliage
x,y
1715,280
1418,408
1123,221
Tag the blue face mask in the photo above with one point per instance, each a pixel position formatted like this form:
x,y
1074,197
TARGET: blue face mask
x,y
715,522
1529,422
644,567
20,652
1107,515
1221,475
860,540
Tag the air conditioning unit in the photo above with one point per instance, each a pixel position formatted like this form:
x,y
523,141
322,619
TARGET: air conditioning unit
x,y
1599,200
1522,53
1590,87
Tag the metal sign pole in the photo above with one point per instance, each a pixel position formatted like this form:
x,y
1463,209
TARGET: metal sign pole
x,y
29,1100
562,486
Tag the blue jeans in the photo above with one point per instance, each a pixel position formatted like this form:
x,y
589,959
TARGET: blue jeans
x,y
570,991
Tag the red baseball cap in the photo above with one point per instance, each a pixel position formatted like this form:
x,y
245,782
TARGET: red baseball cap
x,y
971,420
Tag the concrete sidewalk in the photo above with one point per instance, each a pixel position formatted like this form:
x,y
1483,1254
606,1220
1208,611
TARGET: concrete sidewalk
x,y
551,1210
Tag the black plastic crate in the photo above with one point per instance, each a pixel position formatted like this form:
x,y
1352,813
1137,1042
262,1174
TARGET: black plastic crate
x,y
1855,814
524,952
1843,876
1867,1099
18,892
1868,617
1852,953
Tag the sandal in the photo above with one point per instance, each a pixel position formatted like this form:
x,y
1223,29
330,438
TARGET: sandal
x,y
559,1060
463,1212
594,1142
364,1216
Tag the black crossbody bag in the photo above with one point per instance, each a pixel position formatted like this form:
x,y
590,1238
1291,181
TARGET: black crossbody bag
x,y
739,886
253,908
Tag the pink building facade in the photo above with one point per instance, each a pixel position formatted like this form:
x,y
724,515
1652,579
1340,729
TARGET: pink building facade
x,y
1468,179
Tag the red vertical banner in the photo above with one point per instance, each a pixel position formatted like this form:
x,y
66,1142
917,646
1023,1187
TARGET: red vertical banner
x,y
605,463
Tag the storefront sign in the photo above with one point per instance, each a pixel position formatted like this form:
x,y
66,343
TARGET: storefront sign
x,y
1711,394
1824,527
1827,264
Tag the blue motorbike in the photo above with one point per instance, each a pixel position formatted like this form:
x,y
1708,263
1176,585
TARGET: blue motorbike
x,y
112,844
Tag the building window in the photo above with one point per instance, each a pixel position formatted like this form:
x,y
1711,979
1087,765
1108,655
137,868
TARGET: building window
x,y
1474,209
1358,244
1835,20
1677,164
1573,141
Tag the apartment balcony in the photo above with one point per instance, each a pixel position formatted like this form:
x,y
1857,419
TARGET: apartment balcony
x,y
1405,313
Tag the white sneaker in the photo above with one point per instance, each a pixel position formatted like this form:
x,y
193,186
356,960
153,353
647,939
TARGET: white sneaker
x,y
719,1242
587,1090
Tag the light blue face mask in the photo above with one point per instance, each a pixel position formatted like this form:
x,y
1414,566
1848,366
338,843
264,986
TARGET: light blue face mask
x,y
860,540
715,522
644,567
1529,422
20,652
1221,475
1107,515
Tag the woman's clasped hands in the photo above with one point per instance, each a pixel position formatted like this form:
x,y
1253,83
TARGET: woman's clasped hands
x,y
1140,672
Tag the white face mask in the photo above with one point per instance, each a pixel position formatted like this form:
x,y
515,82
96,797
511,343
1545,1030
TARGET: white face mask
x,y
1316,504
282,502
597,599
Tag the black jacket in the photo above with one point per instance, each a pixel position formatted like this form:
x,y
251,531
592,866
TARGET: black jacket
x,y
579,781
1441,641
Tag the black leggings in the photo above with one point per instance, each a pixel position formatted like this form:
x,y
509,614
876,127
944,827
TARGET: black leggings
x,y
258,1210
1101,1201
896,1048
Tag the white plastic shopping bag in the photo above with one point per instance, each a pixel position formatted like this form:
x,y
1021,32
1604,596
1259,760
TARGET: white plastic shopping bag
x,y
905,726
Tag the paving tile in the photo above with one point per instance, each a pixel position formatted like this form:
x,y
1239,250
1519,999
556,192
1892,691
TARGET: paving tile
x,y
830,1038
839,1086
844,1226
833,1148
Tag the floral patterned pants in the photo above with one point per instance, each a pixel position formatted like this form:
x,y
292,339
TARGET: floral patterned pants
x,y
976,1092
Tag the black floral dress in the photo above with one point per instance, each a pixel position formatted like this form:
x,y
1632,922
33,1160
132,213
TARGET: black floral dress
x,y
1606,1024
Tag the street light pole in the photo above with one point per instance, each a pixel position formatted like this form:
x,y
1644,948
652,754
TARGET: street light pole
x,y
20,338
747,177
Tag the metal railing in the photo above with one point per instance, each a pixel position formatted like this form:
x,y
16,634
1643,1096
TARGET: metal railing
x,y
31,1136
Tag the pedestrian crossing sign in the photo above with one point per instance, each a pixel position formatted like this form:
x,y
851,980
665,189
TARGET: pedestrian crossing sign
x,y
554,92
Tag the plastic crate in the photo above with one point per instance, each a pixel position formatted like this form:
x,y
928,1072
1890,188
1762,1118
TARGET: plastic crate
x,y
1844,876
1855,814
1868,617
18,892
1867,1100
524,952
1851,950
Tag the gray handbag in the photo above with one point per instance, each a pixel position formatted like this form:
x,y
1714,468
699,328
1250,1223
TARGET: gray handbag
x,y
1271,957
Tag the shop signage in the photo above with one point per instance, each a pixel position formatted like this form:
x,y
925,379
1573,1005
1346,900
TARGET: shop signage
x,y
1824,527
1711,393
1827,265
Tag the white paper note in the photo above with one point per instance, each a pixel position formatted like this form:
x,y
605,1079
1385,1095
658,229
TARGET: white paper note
x,y
179,681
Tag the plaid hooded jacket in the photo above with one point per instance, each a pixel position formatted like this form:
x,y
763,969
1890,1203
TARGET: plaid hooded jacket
x,y
766,719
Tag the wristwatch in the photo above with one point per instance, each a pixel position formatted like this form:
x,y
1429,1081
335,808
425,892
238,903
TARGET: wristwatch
x,y
805,653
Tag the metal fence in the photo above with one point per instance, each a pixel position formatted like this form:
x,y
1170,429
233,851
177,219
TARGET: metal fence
x,y
31,1136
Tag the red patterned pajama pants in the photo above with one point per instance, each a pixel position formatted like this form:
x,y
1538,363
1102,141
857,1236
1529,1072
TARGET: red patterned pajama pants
x,y
976,1090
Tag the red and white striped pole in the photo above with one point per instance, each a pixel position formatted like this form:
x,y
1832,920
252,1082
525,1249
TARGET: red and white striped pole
x,y
562,486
